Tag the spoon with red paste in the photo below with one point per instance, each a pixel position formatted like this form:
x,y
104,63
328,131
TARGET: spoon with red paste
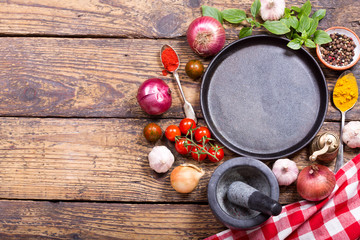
x,y
171,63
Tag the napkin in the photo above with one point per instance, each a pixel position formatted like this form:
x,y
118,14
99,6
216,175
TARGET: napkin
x,y
335,217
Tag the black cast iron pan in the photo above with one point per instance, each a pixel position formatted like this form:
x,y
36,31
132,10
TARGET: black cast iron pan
x,y
262,99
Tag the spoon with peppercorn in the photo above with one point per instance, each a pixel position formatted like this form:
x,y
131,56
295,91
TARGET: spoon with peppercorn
x,y
171,63
345,95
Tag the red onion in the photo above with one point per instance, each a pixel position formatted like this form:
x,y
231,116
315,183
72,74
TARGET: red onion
x,y
206,36
315,182
154,96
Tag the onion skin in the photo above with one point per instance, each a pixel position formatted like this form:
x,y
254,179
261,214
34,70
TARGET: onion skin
x,y
154,96
315,182
185,178
206,36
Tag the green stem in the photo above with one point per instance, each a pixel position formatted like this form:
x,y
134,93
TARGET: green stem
x,y
194,144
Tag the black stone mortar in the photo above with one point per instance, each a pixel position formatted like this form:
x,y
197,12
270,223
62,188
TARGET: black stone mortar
x,y
251,172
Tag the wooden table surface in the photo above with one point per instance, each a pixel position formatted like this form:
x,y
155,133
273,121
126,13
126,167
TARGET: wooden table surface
x,y
73,161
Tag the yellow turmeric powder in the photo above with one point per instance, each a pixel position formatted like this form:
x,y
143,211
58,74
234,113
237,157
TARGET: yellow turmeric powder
x,y
345,92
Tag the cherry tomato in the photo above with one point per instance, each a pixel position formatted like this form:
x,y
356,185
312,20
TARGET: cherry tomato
x,y
180,146
197,153
202,132
194,69
186,124
152,132
216,151
171,132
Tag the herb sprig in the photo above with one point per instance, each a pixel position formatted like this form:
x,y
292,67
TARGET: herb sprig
x,y
303,28
296,24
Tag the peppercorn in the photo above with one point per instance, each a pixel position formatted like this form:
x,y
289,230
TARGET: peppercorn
x,y
340,51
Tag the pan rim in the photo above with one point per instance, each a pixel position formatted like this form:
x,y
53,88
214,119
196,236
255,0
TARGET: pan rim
x,y
295,147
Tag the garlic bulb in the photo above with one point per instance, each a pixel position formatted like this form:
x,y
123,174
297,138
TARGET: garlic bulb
x,y
161,159
272,9
351,134
286,171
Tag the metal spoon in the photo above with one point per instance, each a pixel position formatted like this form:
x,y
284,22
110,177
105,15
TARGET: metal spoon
x,y
188,109
340,157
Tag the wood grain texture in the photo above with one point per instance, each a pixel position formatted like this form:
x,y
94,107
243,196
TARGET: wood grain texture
x,y
71,129
81,77
97,77
66,220
99,160
138,19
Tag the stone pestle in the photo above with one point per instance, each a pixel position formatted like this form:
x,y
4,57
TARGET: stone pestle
x,y
242,194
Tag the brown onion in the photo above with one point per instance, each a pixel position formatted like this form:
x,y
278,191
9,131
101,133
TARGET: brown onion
x,y
315,182
185,178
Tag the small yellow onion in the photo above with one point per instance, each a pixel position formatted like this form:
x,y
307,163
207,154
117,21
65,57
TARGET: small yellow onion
x,y
185,178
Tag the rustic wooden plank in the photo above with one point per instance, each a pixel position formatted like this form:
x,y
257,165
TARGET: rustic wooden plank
x,y
100,160
105,159
96,77
84,159
150,19
83,77
75,220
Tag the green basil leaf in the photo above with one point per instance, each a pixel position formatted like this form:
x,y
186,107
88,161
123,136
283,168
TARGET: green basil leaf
x,y
276,27
212,12
296,9
321,37
286,22
306,8
313,26
287,13
296,35
304,35
289,35
319,14
310,22
255,8
295,44
257,24
234,15
249,20
309,43
304,23
294,22
245,32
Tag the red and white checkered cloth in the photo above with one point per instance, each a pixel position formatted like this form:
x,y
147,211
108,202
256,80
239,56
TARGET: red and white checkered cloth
x,y
336,217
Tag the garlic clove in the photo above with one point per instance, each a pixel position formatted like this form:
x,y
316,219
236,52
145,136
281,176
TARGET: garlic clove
x,y
285,171
161,159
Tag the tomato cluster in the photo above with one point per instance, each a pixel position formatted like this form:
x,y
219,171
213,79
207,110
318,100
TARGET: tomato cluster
x,y
191,139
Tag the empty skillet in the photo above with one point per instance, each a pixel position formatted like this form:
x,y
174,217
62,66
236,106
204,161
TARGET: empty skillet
x,y
262,99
